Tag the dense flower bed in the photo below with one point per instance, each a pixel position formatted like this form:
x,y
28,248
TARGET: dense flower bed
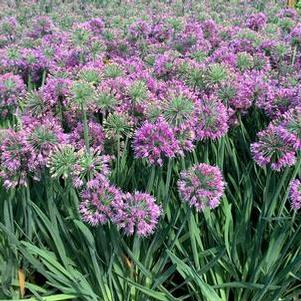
x,y
135,115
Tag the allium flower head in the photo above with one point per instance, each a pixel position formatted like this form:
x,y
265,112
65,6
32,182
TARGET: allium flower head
x,y
178,110
112,70
201,186
295,194
83,92
89,165
272,149
257,21
62,161
44,134
138,91
41,25
15,154
95,25
117,125
96,136
139,29
155,141
97,201
290,127
296,35
57,91
11,89
136,213
212,120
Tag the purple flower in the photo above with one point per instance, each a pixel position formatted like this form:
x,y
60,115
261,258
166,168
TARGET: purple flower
x,y
256,21
95,25
201,186
295,35
295,194
136,213
139,29
290,127
11,89
15,154
288,13
96,136
57,91
41,25
97,199
272,149
212,120
155,141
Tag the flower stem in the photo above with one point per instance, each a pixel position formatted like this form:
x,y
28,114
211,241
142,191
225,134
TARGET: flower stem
x,y
86,129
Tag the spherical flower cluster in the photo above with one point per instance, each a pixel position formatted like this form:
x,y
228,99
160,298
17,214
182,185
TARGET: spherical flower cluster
x,y
41,25
57,91
212,120
97,201
295,194
12,88
95,25
201,186
15,154
96,136
272,149
155,141
256,21
139,29
25,152
136,213
290,127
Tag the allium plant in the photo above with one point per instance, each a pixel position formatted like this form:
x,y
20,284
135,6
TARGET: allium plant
x,y
12,88
201,186
98,198
136,213
155,141
272,148
211,120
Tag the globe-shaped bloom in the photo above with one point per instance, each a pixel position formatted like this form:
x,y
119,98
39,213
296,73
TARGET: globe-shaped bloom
x,y
155,141
201,186
136,213
272,149
97,199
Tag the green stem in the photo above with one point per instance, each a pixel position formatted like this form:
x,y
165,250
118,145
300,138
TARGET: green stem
x,y
294,55
86,129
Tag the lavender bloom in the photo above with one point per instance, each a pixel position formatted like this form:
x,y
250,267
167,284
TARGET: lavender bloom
x,y
57,91
139,29
155,141
15,154
136,213
272,149
256,21
95,25
201,186
97,199
212,120
41,25
290,127
89,165
96,136
11,89
295,35
295,194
